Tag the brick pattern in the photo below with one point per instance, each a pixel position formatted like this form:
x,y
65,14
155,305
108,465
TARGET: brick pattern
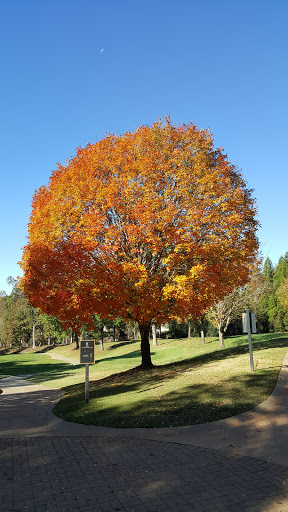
x,y
45,474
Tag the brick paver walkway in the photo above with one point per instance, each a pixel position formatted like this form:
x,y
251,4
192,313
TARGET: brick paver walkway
x,y
46,474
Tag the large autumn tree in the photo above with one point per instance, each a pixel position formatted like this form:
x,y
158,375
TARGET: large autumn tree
x,y
149,225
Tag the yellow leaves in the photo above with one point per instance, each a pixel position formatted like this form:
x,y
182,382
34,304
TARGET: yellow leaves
x,y
180,281
195,271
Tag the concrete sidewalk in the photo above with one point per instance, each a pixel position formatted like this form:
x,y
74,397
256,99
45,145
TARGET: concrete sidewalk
x,y
55,355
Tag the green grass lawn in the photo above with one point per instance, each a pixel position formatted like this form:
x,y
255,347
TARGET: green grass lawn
x,y
192,383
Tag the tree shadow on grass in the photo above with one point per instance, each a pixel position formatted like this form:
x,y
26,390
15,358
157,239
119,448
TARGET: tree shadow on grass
x,y
4,351
119,344
192,404
39,372
136,354
47,348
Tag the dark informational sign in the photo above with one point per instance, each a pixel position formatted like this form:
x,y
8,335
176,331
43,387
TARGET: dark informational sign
x,y
87,355
249,322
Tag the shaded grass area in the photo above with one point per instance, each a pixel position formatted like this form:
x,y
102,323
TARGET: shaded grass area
x,y
194,383
40,367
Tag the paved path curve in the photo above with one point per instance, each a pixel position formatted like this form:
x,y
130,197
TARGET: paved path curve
x,y
47,464
60,357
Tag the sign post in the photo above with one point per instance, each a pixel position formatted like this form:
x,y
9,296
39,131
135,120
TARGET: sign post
x,y
249,326
87,357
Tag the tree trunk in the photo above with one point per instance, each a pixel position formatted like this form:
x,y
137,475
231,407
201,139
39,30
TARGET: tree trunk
x,y
136,332
76,340
202,330
33,335
154,335
189,328
102,340
129,330
202,336
221,339
145,346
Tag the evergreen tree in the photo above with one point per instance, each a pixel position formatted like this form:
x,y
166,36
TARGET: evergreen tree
x,y
283,293
276,312
268,271
281,271
265,320
2,311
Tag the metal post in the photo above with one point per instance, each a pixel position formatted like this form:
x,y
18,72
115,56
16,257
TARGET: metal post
x,y
33,334
250,341
86,383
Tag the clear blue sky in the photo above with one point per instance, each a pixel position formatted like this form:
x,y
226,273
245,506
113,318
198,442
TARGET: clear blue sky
x,y
219,63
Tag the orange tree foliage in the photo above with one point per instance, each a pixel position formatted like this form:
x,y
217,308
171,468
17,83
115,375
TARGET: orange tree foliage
x,y
149,225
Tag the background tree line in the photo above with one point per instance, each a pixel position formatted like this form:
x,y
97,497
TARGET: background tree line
x,y
21,325
266,294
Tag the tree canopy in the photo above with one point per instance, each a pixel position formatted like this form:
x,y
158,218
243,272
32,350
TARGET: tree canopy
x,y
149,225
